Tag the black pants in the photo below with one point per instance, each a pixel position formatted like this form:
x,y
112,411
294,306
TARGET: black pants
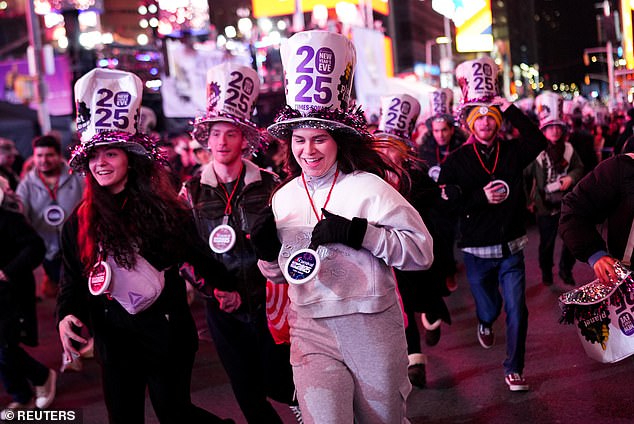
x,y
256,366
154,353
548,225
19,370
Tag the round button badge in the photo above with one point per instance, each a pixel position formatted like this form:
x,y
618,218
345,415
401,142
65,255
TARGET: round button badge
x,y
434,172
501,187
302,266
54,215
99,279
222,238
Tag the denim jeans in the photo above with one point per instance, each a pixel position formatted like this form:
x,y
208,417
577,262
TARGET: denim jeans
x,y
548,226
486,278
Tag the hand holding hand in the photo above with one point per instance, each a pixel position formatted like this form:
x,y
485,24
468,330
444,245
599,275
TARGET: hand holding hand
x,y
604,269
229,301
67,333
337,229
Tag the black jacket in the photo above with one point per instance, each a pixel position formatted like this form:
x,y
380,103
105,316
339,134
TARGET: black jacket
x,y
606,193
21,251
481,223
252,196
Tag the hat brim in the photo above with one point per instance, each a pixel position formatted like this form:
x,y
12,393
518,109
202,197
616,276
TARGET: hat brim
x,y
553,122
284,129
133,144
251,133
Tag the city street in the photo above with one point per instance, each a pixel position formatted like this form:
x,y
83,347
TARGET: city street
x,y
465,381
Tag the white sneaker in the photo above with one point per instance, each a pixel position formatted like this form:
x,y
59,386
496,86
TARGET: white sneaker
x,y
45,394
8,413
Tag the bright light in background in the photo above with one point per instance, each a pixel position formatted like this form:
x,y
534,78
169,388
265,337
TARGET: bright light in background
x,y
62,42
245,25
142,39
230,31
90,39
265,24
88,19
142,10
107,38
221,40
154,22
3,5
281,25
152,8
52,19
143,23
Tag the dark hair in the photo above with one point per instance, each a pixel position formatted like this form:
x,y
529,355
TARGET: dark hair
x,y
146,215
354,153
47,141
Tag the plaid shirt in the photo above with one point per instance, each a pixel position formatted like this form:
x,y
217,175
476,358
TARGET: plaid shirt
x,y
495,252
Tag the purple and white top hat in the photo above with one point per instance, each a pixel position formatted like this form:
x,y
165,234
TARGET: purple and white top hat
x,y
398,116
441,102
108,104
478,81
318,69
232,93
549,107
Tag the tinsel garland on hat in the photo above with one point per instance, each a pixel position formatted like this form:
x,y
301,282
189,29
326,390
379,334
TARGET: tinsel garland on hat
x,y
79,154
352,117
588,305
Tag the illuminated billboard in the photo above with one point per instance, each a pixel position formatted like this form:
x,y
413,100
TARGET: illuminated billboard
x,y
268,8
473,21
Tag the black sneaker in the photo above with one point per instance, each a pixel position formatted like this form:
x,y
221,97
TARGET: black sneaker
x,y
486,336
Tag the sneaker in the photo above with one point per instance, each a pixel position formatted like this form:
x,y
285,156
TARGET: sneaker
x,y
297,413
567,278
516,382
45,394
486,336
8,413
416,371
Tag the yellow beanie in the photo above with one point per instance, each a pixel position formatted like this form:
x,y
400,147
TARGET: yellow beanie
x,y
478,111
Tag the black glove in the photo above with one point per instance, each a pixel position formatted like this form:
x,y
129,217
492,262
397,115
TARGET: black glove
x,y
337,229
264,236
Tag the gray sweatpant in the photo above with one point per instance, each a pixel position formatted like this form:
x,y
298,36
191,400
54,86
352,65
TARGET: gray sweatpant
x,y
351,368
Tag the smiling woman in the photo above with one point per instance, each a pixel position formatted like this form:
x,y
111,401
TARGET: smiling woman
x,y
109,166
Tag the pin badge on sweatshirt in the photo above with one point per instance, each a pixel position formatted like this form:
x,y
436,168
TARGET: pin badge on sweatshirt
x,y
302,266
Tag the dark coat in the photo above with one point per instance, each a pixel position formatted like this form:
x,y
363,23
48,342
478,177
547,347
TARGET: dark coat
x,y
604,195
482,223
21,251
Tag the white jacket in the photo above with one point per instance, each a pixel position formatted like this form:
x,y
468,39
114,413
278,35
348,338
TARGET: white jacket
x,y
349,280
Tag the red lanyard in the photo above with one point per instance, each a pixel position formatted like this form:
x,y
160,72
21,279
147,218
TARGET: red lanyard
x,y
228,196
497,155
438,160
53,192
334,180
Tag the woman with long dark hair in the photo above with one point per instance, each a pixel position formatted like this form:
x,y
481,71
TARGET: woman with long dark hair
x,y
121,251
341,228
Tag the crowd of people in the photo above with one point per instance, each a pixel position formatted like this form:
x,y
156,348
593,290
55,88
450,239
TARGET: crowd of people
x,y
354,233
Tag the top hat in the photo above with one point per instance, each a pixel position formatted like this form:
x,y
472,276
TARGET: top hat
x,y
478,81
108,102
318,70
550,109
441,102
232,92
398,116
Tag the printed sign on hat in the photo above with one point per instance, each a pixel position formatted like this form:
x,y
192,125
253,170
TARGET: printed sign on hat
x,y
107,100
441,101
398,115
550,109
318,67
478,80
232,89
